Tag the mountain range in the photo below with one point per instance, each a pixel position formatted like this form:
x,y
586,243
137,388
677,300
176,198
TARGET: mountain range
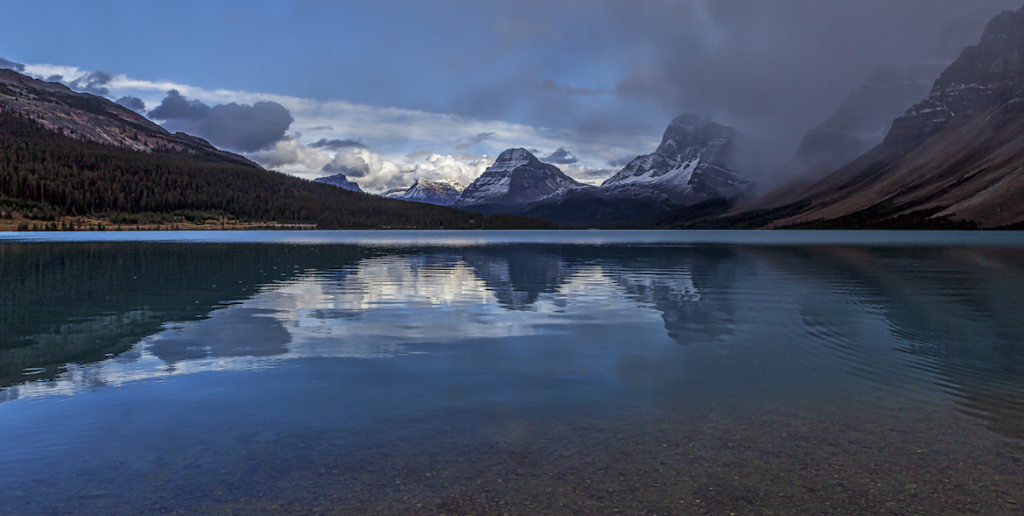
x,y
896,154
74,160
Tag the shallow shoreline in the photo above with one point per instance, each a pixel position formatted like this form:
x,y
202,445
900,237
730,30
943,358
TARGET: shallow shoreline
x,y
869,459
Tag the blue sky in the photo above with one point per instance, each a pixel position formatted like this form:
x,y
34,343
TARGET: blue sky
x,y
438,88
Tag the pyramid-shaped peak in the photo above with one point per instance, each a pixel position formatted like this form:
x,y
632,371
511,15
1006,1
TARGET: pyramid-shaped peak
x,y
515,157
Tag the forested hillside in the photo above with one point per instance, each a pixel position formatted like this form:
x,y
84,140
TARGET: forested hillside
x,y
46,176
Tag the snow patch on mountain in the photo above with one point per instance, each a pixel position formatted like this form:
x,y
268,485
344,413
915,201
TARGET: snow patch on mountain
x,y
692,164
431,192
515,179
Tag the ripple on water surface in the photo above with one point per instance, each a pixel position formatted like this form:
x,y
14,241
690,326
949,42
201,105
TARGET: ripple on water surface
x,y
537,377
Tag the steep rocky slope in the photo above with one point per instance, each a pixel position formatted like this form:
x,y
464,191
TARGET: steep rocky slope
x,y
696,161
956,155
90,118
516,179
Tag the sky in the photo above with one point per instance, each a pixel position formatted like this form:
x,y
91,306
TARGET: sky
x,y
390,90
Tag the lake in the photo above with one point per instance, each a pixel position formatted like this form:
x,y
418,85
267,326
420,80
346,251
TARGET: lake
x,y
575,372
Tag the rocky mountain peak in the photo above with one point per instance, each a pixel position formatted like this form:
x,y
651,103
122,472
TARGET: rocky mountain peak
x,y
690,131
442,193
985,76
692,164
512,158
340,181
515,179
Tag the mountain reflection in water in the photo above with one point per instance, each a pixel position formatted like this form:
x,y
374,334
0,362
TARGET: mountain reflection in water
x,y
651,328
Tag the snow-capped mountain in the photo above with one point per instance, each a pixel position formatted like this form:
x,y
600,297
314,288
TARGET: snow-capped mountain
x,y
430,192
516,179
340,181
694,163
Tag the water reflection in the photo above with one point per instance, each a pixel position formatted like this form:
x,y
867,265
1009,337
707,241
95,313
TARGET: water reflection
x,y
904,320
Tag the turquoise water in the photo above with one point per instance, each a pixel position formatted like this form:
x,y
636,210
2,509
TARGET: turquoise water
x,y
511,372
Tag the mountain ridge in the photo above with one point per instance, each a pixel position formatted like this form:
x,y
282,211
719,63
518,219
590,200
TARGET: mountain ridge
x,y
92,118
956,155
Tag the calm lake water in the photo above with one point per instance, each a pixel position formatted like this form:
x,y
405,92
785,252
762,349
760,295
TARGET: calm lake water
x,y
512,373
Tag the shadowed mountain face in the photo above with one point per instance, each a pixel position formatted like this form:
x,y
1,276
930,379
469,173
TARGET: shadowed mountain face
x,y
695,162
340,181
958,154
860,124
516,179
429,192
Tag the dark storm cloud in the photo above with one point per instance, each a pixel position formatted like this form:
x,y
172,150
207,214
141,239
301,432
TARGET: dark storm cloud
x,y
17,67
324,143
94,83
237,127
608,70
465,143
132,103
560,157
776,68
176,107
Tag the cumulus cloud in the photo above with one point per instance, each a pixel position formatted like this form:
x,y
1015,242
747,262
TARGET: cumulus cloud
x,y
418,155
376,173
589,175
238,127
291,155
461,169
17,67
177,107
132,103
95,83
324,143
350,165
560,157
